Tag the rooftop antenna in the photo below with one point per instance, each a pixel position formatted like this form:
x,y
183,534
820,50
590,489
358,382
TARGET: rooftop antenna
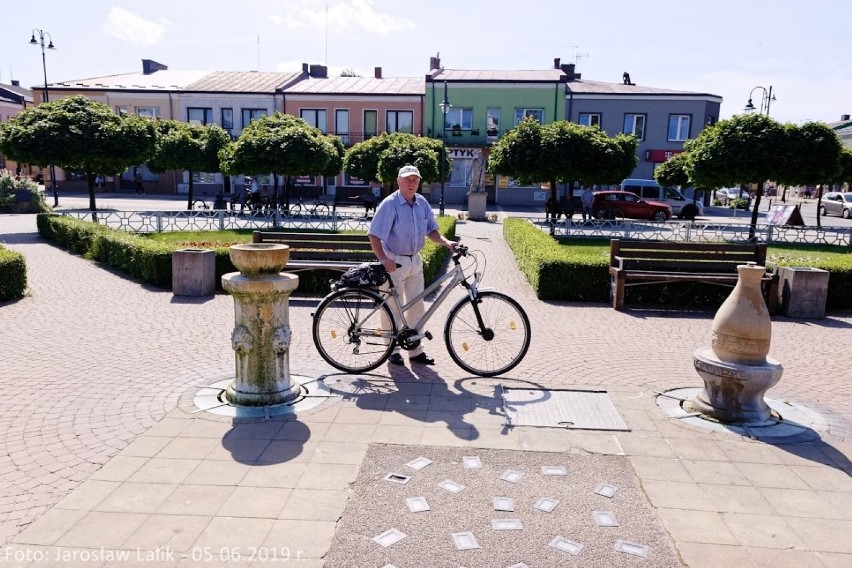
x,y
326,34
575,53
258,52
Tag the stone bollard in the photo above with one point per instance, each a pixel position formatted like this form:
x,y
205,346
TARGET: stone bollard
x,y
193,272
261,336
804,291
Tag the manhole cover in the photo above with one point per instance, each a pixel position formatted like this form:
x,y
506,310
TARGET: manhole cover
x,y
574,409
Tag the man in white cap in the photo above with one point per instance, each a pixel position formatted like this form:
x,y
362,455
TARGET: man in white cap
x,y
401,222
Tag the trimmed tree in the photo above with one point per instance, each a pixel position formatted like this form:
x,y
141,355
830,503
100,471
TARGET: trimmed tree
x,y
181,146
812,157
78,134
379,159
742,149
281,144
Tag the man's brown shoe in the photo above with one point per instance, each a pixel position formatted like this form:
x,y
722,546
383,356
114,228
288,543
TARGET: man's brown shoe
x,y
423,359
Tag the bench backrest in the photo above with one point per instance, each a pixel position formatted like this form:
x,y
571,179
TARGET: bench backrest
x,y
685,257
320,246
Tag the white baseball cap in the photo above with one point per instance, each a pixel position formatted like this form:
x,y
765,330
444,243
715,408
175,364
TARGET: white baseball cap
x,y
406,171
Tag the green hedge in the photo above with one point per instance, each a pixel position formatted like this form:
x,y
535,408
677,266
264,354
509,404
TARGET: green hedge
x,y
577,270
13,275
150,261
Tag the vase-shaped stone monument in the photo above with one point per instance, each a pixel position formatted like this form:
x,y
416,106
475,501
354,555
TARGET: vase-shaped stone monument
x,y
735,368
261,336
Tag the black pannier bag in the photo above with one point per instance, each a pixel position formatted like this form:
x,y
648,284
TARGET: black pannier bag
x,y
366,275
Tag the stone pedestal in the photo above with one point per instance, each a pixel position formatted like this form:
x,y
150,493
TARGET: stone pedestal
x,y
476,205
804,291
193,272
733,392
261,336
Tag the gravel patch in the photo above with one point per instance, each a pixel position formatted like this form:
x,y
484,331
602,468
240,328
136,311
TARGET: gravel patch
x,y
379,505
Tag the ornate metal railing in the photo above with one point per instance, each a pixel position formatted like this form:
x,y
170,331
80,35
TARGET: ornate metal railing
x,y
688,231
160,221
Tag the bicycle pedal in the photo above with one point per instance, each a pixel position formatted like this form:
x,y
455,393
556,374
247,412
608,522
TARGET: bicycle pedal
x,y
427,335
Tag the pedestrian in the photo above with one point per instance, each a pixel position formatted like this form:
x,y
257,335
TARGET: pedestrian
x,y
587,198
369,200
400,224
243,197
138,180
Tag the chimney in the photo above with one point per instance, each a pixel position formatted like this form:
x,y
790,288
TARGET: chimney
x,y
377,72
435,63
16,83
305,68
842,116
568,69
556,62
319,71
150,66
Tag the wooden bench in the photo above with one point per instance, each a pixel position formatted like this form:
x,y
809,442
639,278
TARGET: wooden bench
x,y
651,262
320,251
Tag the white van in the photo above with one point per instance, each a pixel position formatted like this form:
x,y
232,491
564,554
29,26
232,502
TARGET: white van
x,y
650,190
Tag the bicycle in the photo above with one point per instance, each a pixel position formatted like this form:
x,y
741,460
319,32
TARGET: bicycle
x,y
201,204
487,333
318,209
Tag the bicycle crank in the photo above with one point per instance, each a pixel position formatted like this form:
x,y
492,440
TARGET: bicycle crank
x,y
408,338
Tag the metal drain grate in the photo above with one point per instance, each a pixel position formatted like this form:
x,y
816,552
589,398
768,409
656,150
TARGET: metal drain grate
x,y
583,410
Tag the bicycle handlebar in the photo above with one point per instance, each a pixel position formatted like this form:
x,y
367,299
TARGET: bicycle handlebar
x,y
459,252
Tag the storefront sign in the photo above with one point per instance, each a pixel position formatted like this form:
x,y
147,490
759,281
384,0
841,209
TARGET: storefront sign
x,y
462,153
660,155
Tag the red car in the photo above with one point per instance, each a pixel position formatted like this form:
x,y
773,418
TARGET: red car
x,y
627,205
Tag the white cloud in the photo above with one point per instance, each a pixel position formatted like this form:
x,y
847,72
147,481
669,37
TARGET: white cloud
x,y
134,29
359,15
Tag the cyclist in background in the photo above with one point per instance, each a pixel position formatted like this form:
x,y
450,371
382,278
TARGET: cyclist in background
x,y
400,224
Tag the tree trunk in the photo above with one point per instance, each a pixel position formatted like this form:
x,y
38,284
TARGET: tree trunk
x,y
90,183
753,226
819,201
189,193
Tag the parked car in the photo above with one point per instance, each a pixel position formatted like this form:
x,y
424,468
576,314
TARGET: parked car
x,y
837,203
650,190
627,205
727,194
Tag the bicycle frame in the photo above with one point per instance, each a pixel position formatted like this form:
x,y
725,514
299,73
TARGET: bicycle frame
x,y
454,277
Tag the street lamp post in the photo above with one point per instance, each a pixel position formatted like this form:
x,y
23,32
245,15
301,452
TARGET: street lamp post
x,y
766,99
40,41
445,106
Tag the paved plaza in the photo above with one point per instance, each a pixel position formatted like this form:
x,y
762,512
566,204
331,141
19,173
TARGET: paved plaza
x,y
102,450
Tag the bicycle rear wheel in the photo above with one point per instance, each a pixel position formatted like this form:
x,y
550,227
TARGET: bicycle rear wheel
x,y
497,348
199,205
321,210
348,327
296,210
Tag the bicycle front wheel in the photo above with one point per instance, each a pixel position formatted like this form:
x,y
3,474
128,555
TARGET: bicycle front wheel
x,y
199,205
321,210
296,211
495,347
352,330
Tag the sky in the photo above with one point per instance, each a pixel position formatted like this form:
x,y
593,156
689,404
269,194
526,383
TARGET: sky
x,y
726,48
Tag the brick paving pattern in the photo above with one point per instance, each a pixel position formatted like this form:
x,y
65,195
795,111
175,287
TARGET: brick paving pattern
x,y
91,361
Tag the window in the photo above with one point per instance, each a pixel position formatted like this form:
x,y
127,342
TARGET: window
x,y
400,121
341,125
148,112
635,124
459,119
522,113
492,122
371,123
201,116
203,177
678,127
316,118
252,114
590,119
228,119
